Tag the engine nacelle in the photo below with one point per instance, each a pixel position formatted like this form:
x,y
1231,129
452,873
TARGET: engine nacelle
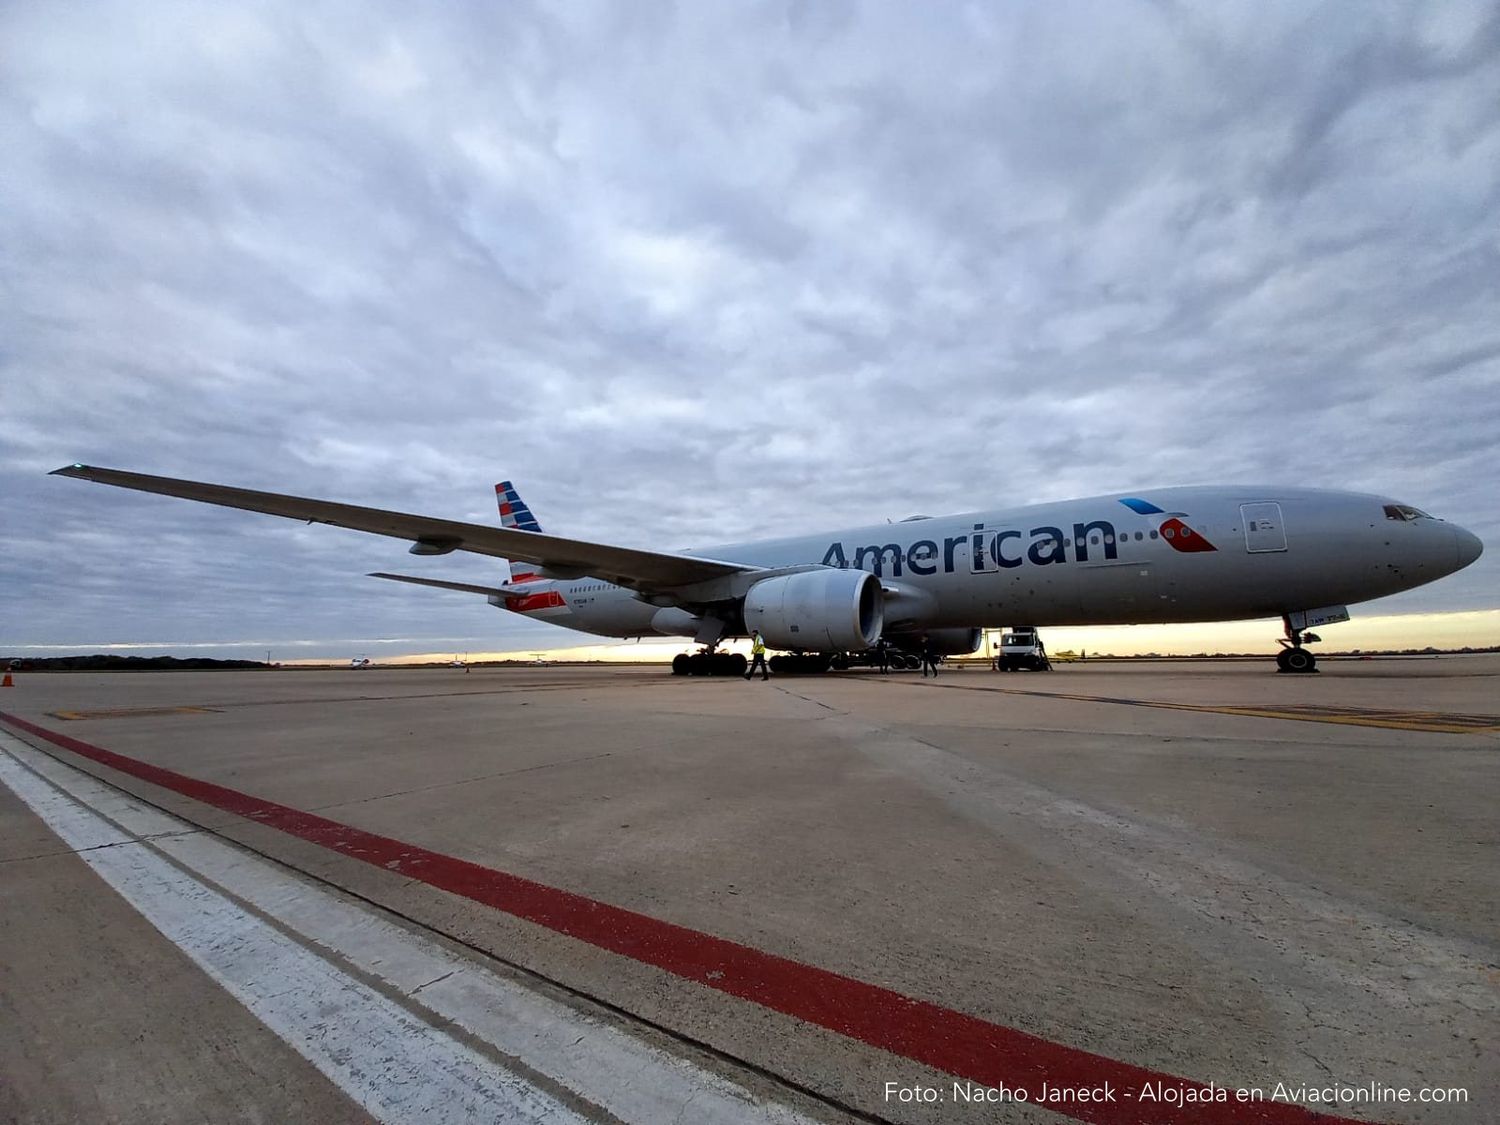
x,y
945,642
818,610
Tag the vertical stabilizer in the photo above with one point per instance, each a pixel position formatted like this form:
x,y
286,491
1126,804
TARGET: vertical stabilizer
x,y
514,513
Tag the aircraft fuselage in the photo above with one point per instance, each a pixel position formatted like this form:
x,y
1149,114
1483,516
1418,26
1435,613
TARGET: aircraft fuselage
x,y
1163,555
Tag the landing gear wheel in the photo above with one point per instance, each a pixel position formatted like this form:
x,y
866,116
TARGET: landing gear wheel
x,y
681,664
1300,660
1293,657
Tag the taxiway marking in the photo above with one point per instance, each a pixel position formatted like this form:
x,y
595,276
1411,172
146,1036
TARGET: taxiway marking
x,y
395,1066
951,1041
606,1066
129,712
1434,722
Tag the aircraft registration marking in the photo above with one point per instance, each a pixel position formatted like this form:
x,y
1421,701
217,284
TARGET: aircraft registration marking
x,y
1428,721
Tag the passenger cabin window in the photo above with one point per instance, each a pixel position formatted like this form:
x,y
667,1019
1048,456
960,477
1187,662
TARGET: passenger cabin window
x,y
1404,513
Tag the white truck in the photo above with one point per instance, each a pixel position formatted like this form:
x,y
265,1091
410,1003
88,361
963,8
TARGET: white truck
x,y
1021,650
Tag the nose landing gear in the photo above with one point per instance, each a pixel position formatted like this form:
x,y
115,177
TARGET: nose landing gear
x,y
1293,657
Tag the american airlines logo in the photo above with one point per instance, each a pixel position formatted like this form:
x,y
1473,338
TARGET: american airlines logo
x,y
1179,536
987,551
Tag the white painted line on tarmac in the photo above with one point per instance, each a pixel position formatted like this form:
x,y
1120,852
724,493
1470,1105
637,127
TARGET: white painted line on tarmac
x,y
394,1065
608,1067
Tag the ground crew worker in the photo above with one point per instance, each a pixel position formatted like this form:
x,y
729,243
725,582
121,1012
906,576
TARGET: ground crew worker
x,y
883,655
929,656
758,656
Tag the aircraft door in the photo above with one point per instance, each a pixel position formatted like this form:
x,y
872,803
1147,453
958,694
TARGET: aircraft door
x,y
1263,527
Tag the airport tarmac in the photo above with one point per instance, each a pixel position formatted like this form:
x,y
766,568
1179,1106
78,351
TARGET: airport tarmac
x,y
608,893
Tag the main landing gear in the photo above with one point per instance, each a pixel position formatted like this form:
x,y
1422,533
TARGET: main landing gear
x,y
802,663
1293,657
709,663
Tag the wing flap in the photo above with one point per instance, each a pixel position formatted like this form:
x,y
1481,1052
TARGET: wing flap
x,y
626,566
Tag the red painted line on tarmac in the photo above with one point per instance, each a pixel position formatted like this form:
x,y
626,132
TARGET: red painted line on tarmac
x,y
963,1045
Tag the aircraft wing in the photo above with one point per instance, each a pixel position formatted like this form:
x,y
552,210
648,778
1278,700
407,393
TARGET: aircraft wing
x,y
625,566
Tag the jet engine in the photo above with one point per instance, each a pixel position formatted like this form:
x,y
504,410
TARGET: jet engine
x,y
818,610
945,642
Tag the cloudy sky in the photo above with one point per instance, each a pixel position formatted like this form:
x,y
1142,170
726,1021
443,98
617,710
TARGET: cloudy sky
x,y
688,273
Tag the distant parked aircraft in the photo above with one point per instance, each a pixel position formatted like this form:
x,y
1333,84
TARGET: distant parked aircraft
x,y
1212,553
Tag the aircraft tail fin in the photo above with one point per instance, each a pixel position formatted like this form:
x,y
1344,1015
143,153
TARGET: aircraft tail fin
x,y
514,513
513,510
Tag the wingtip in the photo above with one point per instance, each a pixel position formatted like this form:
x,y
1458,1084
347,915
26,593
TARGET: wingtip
x,y
76,469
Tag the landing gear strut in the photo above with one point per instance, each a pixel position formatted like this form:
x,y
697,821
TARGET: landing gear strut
x,y
1293,657
708,661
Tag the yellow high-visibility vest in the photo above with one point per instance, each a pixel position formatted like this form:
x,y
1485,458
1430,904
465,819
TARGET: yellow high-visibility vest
x,y
758,646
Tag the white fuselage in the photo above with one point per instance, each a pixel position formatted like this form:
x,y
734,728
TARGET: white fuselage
x,y
1161,555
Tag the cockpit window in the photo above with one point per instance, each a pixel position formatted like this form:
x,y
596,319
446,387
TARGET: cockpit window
x,y
1404,512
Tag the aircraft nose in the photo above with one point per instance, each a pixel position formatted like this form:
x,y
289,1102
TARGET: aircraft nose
x,y
1469,546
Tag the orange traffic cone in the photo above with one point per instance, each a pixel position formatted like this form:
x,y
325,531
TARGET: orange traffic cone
x,y
7,682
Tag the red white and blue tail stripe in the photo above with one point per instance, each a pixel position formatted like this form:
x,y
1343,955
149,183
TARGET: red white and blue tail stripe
x,y
513,510
514,513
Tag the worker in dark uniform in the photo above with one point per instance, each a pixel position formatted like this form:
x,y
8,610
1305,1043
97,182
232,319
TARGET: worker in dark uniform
x,y
758,656
883,656
929,656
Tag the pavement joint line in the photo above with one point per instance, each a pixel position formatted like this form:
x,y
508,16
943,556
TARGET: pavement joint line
x,y
1402,720
66,852
460,781
955,1042
96,847
217,708
567,685
395,950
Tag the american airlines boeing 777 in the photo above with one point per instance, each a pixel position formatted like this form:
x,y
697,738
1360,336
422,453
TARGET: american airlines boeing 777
x,y
1211,553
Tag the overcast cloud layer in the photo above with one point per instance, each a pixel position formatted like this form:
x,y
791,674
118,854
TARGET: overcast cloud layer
x,y
695,273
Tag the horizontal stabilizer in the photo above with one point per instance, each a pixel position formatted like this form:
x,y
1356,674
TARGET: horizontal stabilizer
x,y
465,587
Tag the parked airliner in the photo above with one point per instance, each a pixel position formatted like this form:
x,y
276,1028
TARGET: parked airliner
x,y
1209,553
